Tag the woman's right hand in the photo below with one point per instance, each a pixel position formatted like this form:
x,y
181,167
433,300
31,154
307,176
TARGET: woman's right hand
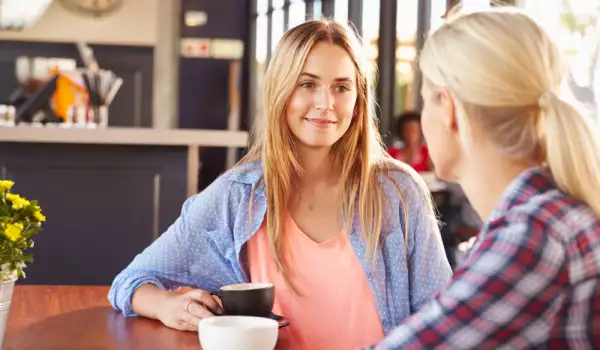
x,y
184,311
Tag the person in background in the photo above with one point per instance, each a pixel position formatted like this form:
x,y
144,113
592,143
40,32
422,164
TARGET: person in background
x,y
529,163
317,207
411,148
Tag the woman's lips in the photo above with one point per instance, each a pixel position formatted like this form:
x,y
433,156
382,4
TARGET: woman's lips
x,y
323,123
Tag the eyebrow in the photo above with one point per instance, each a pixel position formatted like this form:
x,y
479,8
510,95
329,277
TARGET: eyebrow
x,y
314,76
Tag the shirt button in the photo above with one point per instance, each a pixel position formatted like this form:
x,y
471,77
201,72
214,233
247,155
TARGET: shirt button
x,y
370,274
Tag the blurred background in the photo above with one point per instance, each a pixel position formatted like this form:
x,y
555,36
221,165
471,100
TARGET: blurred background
x,y
112,112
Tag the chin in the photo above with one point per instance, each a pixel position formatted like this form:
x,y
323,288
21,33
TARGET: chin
x,y
317,145
317,142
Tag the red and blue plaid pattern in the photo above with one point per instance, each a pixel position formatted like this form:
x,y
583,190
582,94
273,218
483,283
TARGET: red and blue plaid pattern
x,y
532,279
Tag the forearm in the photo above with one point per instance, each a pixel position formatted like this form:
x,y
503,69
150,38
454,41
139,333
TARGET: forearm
x,y
147,300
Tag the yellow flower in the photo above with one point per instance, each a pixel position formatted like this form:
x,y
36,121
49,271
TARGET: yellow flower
x,y
13,231
17,201
6,185
39,216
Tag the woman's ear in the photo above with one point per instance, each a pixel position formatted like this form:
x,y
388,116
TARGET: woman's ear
x,y
449,107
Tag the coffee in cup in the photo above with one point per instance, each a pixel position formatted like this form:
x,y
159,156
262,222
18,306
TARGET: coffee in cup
x,y
248,299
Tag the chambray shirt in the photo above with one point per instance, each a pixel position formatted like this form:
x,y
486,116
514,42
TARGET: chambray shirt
x,y
206,246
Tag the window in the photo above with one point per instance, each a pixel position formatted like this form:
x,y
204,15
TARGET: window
x,y
318,10
406,34
297,13
277,26
341,11
574,25
370,25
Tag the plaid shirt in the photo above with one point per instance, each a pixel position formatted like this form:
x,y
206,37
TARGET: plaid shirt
x,y
532,279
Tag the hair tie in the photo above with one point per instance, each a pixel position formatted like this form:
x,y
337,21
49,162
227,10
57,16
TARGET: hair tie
x,y
546,99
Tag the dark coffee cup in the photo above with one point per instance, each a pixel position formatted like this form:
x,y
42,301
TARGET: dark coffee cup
x,y
247,299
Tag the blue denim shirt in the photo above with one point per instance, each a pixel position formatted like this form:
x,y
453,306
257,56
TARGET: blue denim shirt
x,y
205,247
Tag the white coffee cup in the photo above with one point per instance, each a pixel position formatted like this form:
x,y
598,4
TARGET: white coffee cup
x,y
238,333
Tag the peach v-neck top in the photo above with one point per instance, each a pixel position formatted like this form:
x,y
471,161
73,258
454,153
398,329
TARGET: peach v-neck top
x,y
335,307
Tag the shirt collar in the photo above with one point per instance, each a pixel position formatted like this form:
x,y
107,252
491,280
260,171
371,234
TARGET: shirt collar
x,y
529,183
249,174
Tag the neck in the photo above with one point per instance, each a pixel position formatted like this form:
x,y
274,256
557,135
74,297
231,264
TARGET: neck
x,y
318,170
485,179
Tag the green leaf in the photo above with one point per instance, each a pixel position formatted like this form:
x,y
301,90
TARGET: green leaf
x,y
14,253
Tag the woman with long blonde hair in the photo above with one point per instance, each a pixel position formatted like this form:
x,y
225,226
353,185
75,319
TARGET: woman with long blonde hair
x,y
530,164
347,235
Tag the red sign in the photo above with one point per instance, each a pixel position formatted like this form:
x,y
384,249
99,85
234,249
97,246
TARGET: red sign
x,y
195,47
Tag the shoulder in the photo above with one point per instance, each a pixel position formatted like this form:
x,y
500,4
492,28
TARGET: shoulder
x,y
407,195
247,173
554,214
400,181
529,232
244,176
233,186
409,201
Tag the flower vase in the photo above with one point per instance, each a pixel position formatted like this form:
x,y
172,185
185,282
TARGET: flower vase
x,y
6,291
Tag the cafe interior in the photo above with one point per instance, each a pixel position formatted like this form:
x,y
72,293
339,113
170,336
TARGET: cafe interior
x,y
113,112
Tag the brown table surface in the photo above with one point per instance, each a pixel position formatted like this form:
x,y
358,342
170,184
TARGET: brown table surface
x,y
80,317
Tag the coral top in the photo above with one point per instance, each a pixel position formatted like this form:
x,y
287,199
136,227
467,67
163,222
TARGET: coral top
x,y
335,307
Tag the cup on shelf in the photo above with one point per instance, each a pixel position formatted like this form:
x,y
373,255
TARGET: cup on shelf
x,y
87,117
7,115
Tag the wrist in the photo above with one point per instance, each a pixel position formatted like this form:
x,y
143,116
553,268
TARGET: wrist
x,y
149,301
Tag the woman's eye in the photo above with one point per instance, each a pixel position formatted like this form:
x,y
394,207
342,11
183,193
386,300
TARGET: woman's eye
x,y
308,84
341,88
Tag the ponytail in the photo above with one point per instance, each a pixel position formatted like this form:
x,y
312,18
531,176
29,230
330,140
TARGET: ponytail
x,y
572,148
499,84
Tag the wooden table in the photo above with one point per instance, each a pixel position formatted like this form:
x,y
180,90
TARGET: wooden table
x,y
80,317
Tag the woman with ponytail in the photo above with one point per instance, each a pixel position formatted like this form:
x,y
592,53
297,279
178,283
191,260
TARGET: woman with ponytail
x,y
530,165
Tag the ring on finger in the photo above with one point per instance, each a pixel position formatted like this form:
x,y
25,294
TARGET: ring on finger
x,y
187,306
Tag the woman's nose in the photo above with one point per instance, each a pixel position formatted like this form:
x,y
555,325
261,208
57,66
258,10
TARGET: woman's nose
x,y
324,100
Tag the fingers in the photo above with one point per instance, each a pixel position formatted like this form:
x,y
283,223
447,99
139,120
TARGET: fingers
x,y
206,299
197,305
198,310
190,322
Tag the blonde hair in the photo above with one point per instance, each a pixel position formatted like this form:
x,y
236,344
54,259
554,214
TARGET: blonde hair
x,y
359,155
504,72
